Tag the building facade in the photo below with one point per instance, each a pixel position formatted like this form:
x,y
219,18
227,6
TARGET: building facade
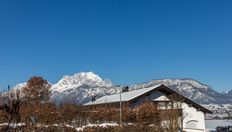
x,y
192,115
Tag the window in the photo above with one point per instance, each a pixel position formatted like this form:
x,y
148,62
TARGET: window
x,y
164,105
192,124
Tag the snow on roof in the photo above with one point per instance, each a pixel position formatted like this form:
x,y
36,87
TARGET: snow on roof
x,y
126,96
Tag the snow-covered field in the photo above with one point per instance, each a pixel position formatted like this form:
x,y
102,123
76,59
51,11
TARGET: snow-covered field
x,y
211,125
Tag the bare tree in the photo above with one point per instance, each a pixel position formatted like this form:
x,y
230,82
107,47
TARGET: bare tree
x,y
229,115
37,89
35,92
147,114
172,116
11,109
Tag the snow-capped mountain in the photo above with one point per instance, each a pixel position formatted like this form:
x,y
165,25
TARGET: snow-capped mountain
x,y
194,90
225,92
80,88
203,94
15,89
230,93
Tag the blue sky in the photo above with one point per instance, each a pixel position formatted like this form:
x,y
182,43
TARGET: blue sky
x,y
127,41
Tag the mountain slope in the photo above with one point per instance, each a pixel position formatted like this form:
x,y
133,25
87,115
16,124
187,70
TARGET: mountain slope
x,y
80,88
15,90
203,94
194,90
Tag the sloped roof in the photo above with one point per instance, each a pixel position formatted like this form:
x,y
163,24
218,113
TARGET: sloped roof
x,y
126,96
132,95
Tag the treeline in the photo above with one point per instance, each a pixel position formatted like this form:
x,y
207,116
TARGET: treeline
x,y
31,106
145,117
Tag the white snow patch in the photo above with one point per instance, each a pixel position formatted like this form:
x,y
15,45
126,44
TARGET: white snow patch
x,y
104,125
13,125
213,124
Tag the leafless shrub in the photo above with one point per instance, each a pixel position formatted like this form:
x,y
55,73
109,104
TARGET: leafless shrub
x,y
147,113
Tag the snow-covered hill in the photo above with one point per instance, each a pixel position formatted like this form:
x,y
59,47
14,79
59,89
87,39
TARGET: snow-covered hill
x,y
15,89
203,94
219,110
192,89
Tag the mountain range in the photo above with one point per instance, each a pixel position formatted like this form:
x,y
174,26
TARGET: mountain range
x,y
81,87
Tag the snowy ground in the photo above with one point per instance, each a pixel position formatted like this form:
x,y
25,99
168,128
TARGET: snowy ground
x,y
211,125
95,125
56,125
12,125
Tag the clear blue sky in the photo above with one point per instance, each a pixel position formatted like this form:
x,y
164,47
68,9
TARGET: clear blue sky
x,y
127,41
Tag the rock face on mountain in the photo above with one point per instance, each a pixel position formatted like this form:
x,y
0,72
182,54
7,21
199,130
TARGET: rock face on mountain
x,y
230,93
80,88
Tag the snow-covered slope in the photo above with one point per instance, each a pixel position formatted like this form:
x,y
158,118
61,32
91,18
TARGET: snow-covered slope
x,y
80,88
192,89
203,94
219,110
15,89
230,93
